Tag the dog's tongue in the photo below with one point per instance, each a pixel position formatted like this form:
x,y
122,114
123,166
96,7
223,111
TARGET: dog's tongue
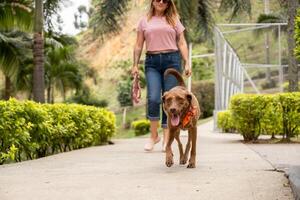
x,y
175,120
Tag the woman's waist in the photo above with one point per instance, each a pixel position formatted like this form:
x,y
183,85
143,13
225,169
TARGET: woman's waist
x,y
162,52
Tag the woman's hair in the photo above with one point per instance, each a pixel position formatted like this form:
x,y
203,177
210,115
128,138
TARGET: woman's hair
x,y
171,13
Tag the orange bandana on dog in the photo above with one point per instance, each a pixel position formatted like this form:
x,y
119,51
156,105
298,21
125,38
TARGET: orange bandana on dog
x,y
188,116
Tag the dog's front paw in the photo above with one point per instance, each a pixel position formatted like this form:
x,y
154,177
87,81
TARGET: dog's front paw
x,y
169,160
169,163
191,165
182,161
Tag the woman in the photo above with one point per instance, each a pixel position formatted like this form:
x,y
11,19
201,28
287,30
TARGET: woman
x,y
163,34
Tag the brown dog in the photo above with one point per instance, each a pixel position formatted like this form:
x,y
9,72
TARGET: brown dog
x,y
183,111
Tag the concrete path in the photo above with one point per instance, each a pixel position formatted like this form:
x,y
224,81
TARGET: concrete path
x,y
284,157
226,170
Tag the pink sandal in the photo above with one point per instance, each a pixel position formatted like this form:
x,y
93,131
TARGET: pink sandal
x,y
150,144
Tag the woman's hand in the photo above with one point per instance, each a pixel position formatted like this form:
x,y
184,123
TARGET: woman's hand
x,y
134,70
187,70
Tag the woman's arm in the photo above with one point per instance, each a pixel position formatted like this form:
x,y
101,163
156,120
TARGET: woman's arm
x,y
184,53
138,48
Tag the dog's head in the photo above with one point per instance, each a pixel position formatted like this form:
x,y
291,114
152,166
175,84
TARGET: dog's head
x,y
175,104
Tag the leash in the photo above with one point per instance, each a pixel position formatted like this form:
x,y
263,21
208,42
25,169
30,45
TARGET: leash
x,y
136,89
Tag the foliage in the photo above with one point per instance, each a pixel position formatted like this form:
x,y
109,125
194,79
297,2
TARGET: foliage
x,y
247,110
297,35
107,16
85,97
225,121
267,114
141,127
30,130
202,69
269,84
197,17
124,92
236,7
205,94
16,14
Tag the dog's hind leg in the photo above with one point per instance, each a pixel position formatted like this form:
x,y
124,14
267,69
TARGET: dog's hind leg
x,y
169,153
180,148
193,135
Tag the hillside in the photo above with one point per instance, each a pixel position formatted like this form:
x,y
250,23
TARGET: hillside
x,y
119,47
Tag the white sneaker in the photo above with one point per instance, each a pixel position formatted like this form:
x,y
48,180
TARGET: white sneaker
x,y
150,144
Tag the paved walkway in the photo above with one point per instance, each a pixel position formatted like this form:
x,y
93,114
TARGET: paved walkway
x,y
284,157
226,170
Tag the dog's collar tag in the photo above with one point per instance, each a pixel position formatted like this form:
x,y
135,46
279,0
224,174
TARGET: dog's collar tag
x,y
188,116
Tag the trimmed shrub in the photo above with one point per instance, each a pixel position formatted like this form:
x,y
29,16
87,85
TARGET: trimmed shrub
x,y
289,107
30,130
205,94
267,114
141,127
247,111
225,122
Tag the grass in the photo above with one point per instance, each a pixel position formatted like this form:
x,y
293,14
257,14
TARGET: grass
x,y
133,114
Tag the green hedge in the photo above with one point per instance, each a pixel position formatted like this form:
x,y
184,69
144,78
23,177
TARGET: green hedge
x,y
141,127
225,121
30,130
264,114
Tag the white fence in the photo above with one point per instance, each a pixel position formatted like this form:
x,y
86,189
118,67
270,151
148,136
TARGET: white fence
x,y
230,72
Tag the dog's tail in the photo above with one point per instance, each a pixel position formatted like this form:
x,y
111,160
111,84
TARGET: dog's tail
x,y
176,74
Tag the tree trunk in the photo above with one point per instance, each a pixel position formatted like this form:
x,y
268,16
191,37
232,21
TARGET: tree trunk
x,y
49,94
8,88
52,95
38,54
292,62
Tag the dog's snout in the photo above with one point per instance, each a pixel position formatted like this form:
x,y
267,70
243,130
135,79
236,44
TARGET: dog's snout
x,y
172,110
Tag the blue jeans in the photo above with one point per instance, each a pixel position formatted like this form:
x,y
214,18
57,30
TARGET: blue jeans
x,y
155,66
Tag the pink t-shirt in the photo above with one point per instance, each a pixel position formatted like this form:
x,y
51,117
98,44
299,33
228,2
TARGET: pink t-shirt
x,y
159,35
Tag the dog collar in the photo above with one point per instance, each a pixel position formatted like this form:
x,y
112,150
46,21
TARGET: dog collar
x,y
188,116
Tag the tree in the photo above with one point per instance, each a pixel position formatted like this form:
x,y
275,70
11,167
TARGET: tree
x,y
292,6
43,11
62,71
38,54
14,15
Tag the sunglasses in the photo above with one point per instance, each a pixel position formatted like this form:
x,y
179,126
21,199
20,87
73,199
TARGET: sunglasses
x,y
164,1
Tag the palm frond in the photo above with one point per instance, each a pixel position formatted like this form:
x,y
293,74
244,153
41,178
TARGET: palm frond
x,y
197,17
15,48
205,19
16,14
235,7
107,17
270,18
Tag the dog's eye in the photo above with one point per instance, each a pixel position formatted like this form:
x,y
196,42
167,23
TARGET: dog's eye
x,y
180,100
169,100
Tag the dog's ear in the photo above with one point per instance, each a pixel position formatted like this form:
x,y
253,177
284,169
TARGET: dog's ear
x,y
189,97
